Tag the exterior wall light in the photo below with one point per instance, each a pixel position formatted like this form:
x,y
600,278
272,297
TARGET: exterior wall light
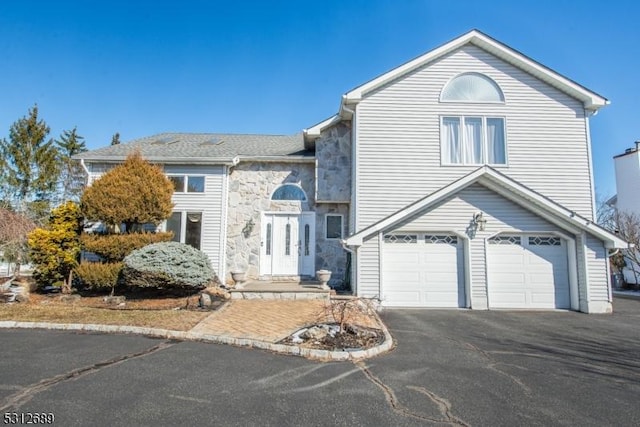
x,y
479,221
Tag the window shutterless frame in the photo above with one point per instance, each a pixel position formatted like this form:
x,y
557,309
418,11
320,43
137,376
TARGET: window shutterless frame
x,y
329,230
461,118
184,183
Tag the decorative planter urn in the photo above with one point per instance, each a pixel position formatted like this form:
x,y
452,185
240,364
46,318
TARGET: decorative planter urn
x,y
323,276
239,277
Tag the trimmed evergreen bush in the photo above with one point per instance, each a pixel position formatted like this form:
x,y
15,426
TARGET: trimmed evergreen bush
x,y
97,275
167,265
114,247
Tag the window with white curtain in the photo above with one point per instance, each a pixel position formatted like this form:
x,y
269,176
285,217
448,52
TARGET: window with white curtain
x,y
473,140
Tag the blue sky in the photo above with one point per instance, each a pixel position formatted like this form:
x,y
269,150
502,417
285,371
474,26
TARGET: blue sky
x,y
146,67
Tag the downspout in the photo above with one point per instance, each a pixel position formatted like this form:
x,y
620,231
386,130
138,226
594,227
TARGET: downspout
x,y
86,170
352,208
354,257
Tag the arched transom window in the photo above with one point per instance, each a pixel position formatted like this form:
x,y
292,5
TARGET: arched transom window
x,y
289,192
472,87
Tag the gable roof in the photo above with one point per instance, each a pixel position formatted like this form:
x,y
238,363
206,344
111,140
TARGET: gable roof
x,y
507,188
591,100
204,148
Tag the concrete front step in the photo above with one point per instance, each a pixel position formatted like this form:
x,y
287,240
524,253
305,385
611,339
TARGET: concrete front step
x,y
263,289
241,294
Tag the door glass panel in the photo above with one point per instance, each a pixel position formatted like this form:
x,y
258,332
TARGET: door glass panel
x,y
306,239
268,239
193,229
287,243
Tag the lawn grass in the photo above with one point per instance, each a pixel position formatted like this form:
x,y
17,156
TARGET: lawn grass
x,y
177,320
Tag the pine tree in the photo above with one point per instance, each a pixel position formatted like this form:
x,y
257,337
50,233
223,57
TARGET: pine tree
x,y
133,193
72,177
28,162
115,139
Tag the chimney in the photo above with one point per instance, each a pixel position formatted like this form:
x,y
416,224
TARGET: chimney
x,y
637,145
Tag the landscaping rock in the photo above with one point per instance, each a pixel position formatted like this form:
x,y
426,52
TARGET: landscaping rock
x,y
205,300
22,297
114,300
69,299
315,333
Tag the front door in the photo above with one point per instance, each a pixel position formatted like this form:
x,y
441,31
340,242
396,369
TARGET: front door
x,y
287,244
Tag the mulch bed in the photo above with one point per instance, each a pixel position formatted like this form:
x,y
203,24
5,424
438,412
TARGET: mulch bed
x,y
351,339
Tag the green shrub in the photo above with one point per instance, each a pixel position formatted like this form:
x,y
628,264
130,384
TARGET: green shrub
x,y
54,250
167,265
114,247
97,275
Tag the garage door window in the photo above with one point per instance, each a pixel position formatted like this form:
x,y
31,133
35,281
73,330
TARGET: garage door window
x,y
545,241
433,238
400,238
505,240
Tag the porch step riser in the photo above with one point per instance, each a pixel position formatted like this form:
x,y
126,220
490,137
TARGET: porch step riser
x,y
280,295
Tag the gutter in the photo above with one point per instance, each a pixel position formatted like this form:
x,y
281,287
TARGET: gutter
x,y
173,160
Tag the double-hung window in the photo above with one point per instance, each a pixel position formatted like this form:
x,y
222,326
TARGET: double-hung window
x,y
473,140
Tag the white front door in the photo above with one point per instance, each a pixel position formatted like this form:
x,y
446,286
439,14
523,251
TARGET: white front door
x,y
288,244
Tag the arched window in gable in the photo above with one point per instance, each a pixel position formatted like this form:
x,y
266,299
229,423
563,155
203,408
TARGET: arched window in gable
x,y
472,87
289,192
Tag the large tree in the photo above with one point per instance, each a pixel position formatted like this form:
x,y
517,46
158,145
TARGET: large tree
x,y
28,161
133,193
72,177
115,139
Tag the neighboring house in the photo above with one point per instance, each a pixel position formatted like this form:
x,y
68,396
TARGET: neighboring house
x,y
627,198
462,178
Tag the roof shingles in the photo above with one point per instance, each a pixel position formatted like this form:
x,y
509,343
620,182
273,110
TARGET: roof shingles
x,y
212,147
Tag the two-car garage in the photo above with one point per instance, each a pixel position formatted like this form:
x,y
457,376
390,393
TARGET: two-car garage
x,y
523,271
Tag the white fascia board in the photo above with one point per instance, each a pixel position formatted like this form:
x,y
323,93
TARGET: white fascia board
x,y
166,160
487,176
357,239
591,100
315,130
278,159
541,204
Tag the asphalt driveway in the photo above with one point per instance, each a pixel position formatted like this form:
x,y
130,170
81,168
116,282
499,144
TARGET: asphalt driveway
x,y
516,368
450,367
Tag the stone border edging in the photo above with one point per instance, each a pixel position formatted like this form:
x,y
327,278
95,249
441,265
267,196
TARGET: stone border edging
x,y
310,353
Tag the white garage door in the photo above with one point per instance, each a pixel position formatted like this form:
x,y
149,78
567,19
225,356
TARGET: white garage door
x,y
422,270
527,271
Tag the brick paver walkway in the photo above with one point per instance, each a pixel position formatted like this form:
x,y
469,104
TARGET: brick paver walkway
x,y
268,320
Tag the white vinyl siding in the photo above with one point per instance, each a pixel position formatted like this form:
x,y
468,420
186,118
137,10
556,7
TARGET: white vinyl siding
x,y
210,204
597,267
398,136
369,268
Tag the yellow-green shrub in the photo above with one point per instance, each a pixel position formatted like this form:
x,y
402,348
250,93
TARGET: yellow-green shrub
x,y
114,247
97,275
54,250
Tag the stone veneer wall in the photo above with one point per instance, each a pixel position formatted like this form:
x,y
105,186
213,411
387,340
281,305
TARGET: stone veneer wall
x,y
333,154
250,189
330,255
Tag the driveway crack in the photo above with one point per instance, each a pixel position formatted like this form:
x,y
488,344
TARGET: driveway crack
x,y
442,404
15,400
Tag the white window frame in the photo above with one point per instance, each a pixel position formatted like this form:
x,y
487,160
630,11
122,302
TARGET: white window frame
x,y
183,224
186,183
483,117
326,225
471,101
304,193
